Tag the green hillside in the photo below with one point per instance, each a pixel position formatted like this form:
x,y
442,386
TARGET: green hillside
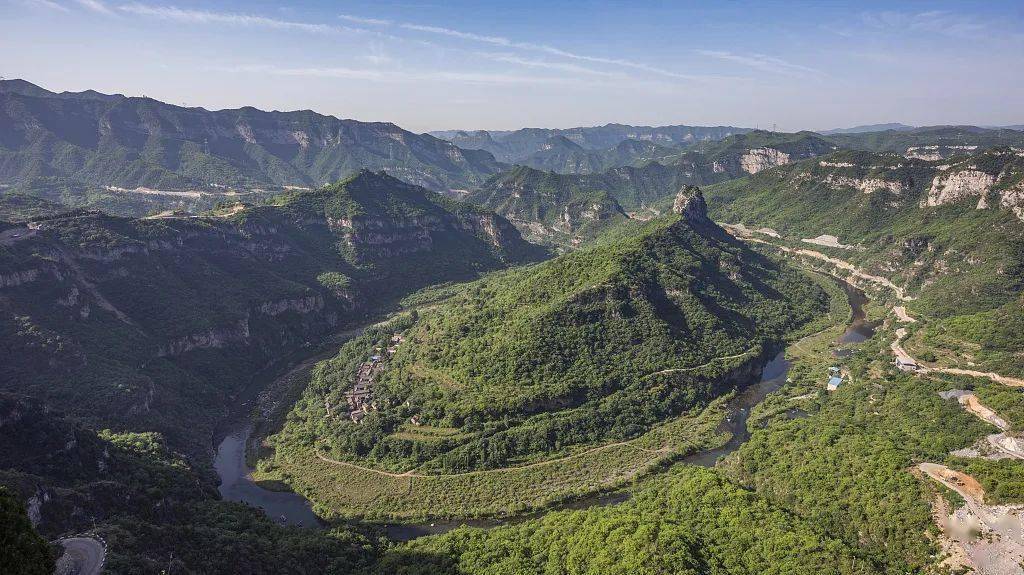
x,y
156,323
690,522
947,227
566,210
949,231
599,345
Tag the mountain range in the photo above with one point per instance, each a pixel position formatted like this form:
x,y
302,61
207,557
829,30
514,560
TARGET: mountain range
x,y
565,209
555,333
155,322
519,145
128,142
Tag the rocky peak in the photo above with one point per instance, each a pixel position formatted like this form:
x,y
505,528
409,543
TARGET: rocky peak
x,y
691,205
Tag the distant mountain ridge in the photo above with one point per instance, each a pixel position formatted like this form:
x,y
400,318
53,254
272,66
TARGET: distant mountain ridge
x,y
114,140
566,209
867,128
517,146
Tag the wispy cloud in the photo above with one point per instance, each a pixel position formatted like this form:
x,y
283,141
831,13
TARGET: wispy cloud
x,y
761,62
229,18
367,21
934,21
45,4
379,75
509,58
496,40
95,6
508,43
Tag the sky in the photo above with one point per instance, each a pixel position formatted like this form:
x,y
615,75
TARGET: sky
x,y
431,64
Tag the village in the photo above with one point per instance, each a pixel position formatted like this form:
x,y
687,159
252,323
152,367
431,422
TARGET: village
x,y
360,398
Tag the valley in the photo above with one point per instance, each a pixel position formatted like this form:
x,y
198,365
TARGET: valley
x,y
261,342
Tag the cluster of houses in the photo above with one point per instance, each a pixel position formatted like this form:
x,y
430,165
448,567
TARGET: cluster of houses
x,y
360,398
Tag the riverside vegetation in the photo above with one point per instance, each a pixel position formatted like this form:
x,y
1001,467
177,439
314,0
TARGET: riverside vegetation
x,y
517,385
550,380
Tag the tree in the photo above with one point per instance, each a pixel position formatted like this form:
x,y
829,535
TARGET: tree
x,y
22,550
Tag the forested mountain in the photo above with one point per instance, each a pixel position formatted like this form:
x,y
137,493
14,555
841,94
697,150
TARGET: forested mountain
x,y
156,511
931,142
72,139
562,155
926,223
153,323
690,522
170,276
949,231
518,146
567,209
867,128
595,346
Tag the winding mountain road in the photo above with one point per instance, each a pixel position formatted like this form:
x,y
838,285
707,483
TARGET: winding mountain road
x,y
992,536
746,234
82,556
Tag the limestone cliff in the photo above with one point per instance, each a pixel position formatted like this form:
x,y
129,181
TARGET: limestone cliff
x,y
759,159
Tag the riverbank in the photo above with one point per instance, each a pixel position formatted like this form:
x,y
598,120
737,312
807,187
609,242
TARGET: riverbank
x,y
601,475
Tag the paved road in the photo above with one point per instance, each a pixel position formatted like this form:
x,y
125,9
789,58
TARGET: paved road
x,y
82,556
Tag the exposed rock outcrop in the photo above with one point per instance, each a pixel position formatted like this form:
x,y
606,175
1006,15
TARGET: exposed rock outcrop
x,y
866,185
690,204
1013,199
211,338
952,187
759,159
301,305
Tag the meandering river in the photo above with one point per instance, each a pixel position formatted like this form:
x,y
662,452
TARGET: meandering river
x,y
294,509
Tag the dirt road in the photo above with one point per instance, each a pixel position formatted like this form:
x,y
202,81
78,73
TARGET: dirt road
x,y
899,351
991,536
841,264
971,403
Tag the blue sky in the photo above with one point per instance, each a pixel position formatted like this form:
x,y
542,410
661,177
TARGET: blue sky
x,y
500,65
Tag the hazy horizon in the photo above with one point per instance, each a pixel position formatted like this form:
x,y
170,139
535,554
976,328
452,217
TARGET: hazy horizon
x,y
499,67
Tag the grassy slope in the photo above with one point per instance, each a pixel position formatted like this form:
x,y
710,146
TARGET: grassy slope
x,y
546,361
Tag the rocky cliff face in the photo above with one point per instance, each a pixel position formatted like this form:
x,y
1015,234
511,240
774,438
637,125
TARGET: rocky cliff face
x,y
867,185
690,204
995,180
955,186
213,338
381,218
762,159
938,152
